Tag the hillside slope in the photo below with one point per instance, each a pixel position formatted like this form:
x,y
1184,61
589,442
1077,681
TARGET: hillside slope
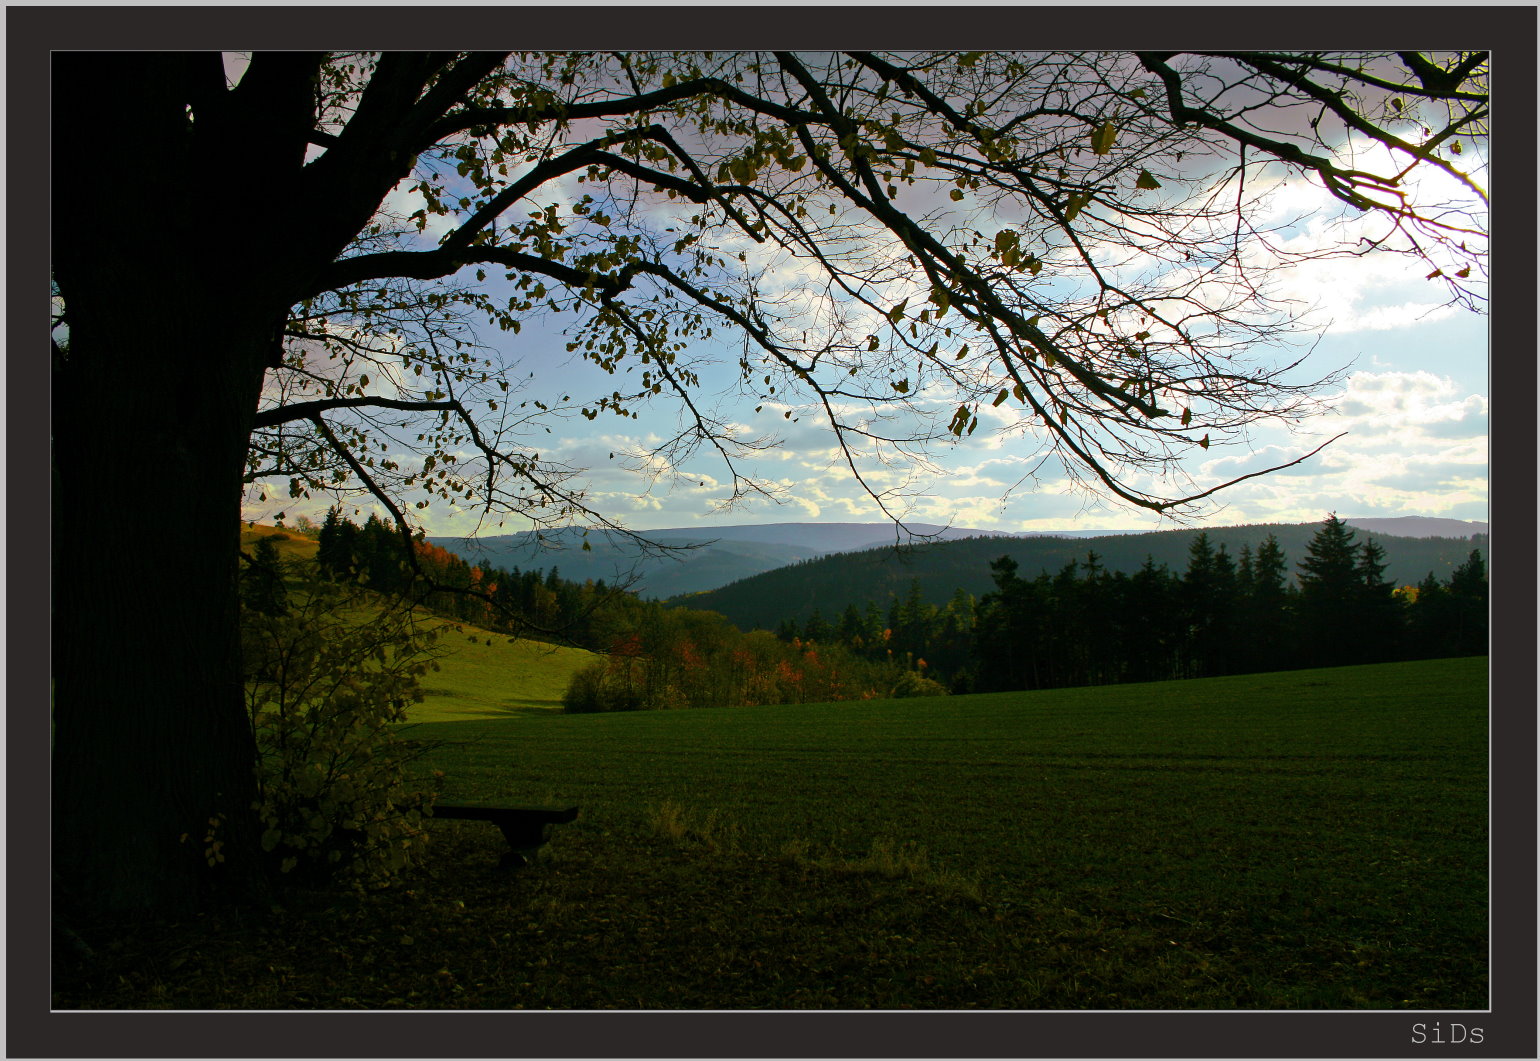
x,y
714,557
828,584
708,557
481,675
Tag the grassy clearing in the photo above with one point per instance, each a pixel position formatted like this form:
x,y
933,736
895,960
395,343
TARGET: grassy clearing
x,y
1310,840
483,675
291,545
487,676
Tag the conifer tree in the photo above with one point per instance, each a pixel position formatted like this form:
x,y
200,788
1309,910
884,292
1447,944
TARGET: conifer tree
x,y
1468,594
1152,604
1006,645
1329,583
330,554
262,587
1430,620
1266,624
1378,611
1201,592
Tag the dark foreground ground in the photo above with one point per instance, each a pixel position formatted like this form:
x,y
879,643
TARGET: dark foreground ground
x,y
1310,840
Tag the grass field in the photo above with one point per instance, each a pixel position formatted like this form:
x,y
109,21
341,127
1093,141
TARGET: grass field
x,y
291,545
487,676
483,675
1314,839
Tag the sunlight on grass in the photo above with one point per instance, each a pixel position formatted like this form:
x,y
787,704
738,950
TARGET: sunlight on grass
x,y
486,676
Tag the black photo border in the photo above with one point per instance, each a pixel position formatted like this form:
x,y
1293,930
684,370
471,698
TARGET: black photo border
x,y
1509,1026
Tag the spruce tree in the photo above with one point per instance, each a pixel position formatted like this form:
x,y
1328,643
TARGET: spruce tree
x,y
328,555
1468,594
1329,584
1378,611
1431,620
262,586
1153,612
1267,609
1004,638
1200,591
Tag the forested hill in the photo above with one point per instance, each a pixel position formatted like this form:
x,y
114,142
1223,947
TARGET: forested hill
x,y
828,584
708,557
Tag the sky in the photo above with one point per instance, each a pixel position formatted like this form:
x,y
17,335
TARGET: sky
x,y
1413,404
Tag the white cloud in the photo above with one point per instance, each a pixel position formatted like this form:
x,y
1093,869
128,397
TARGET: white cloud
x,y
1406,405
1361,292
1416,443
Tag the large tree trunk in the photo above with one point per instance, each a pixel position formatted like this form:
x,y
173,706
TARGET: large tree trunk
x,y
153,753
168,332
186,224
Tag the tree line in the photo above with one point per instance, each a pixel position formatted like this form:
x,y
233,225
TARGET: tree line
x,y
1224,614
543,605
828,584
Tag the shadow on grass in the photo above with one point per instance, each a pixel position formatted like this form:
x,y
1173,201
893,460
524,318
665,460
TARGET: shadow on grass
x,y
449,707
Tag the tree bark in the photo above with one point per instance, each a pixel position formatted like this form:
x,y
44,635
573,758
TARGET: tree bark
x,y
153,403
186,224
153,753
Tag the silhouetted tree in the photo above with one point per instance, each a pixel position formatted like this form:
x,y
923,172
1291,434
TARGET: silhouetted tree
x,y
1156,621
1328,595
262,581
1209,600
1430,620
1468,596
1377,612
1265,630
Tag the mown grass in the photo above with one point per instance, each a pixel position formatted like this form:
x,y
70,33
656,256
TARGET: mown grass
x,y
1313,839
291,545
491,676
481,675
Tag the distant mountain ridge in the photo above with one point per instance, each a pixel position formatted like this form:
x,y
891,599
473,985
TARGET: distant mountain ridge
x,y
716,557
1418,526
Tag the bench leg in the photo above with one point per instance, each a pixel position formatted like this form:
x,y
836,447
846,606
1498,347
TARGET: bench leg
x,y
524,839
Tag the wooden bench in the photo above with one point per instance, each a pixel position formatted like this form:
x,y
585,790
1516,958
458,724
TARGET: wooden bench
x,y
523,827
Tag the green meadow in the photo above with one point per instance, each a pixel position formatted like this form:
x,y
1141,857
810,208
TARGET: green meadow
x,y
1312,839
482,675
489,677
